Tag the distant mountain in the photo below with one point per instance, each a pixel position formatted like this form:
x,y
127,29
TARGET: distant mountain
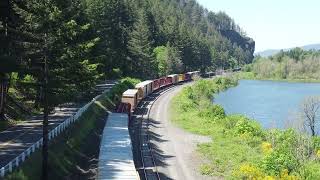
x,y
271,52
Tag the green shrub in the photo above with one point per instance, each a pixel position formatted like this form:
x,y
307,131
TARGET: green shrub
x,y
278,160
316,143
310,171
282,139
231,121
247,126
124,84
19,175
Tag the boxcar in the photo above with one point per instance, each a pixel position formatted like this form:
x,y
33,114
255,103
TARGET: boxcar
x,y
162,82
169,80
181,77
130,96
187,76
155,85
174,77
146,88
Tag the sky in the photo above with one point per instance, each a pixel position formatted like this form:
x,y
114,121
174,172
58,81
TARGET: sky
x,y
273,24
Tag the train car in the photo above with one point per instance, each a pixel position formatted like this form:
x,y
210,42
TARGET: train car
x,y
181,78
163,82
175,78
131,96
155,85
115,155
187,76
144,88
196,73
169,80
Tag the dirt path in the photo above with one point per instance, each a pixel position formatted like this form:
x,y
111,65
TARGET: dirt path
x,y
175,149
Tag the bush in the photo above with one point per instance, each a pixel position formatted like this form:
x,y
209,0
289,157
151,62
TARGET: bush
x,y
19,175
247,126
310,171
117,90
231,121
248,171
278,160
116,73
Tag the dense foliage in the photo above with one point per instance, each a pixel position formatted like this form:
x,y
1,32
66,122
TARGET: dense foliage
x,y
86,41
240,148
295,64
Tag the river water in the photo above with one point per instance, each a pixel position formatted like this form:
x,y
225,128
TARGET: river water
x,y
273,103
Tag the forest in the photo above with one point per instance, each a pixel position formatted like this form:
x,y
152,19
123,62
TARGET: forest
x,y
293,65
66,47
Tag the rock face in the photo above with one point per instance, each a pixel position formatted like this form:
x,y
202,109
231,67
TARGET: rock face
x,y
246,43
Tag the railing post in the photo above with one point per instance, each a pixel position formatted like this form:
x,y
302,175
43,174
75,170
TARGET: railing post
x,y
2,172
59,129
33,148
28,152
17,161
10,166
23,156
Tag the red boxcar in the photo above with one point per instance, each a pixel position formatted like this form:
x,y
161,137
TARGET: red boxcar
x,y
162,82
155,84
169,80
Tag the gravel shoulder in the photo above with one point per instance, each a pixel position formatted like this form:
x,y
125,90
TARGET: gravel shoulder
x,y
175,149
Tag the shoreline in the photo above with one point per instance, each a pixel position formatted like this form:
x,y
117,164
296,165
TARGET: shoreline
x,y
253,151
251,76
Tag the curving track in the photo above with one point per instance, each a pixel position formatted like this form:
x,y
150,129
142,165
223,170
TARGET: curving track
x,y
162,151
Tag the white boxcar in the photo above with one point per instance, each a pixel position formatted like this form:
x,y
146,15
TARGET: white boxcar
x,y
146,87
175,78
115,157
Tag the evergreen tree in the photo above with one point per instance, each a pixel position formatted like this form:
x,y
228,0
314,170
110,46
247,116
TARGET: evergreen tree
x,y
140,47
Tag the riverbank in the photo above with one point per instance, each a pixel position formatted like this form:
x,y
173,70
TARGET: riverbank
x,y
240,147
253,76
74,153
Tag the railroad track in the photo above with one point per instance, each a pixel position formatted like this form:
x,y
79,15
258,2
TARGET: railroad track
x,y
147,166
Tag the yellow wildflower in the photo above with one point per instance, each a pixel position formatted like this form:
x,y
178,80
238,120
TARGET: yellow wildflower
x,y
318,153
266,147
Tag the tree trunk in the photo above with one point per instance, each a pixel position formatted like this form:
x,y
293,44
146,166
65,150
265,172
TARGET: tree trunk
x,y
3,94
1,100
313,133
45,127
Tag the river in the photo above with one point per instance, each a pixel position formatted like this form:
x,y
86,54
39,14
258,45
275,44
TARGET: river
x,y
273,103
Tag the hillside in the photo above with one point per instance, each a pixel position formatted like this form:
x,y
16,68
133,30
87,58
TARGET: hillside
x,y
86,41
271,52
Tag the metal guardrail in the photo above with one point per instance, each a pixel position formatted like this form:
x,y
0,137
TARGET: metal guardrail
x,y
17,161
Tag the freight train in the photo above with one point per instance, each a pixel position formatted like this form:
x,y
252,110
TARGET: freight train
x,y
132,97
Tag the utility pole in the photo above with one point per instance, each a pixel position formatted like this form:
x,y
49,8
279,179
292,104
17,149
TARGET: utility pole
x,y
45,116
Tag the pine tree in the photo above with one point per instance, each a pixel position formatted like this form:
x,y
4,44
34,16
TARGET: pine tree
x,y
140,47
173,60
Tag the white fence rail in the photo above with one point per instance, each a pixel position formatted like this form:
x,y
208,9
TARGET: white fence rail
x,y
17,161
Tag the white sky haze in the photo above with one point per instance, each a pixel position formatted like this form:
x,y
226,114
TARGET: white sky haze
x,y
273,24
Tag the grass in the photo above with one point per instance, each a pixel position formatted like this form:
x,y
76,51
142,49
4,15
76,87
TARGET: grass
x,y
225,152
240,148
